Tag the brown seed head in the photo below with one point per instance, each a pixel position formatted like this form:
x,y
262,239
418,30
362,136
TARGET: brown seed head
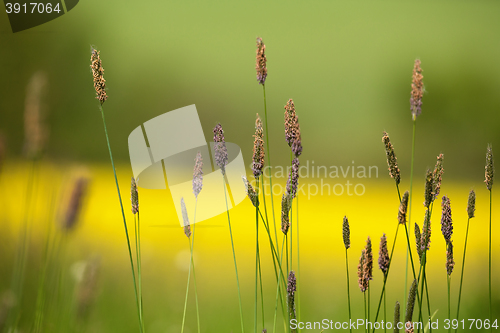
x,y
134,196
429,185
411,302
252,195
261,61
437,175
450,263
362,282
426,233
489,169
87,288
258,149
417,91
446,221
75,203
291,289
220,148
292,129
368,263
471,204
285,209
383,255
36,132
403,207
197,175
396,317
346,233
185,218
392,161
418,241
98,72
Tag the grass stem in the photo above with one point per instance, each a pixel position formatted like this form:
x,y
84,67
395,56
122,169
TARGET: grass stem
x,y
124,221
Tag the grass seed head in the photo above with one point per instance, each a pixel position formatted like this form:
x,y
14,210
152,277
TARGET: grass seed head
x,y
417,91
197,174
346,233
258,149
383,255
392,161
252,195
292,129
261,61
291,289
403,208
429,185
471,204
426,233
489,169
220,148
36,132
98,74
293,179
450,263
418,241
411,302
368,263
396,317
362,282
285,209
185,218
73,209
134,196
446,221
437,175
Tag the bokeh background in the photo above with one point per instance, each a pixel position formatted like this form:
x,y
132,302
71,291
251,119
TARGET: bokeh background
x,y
348,67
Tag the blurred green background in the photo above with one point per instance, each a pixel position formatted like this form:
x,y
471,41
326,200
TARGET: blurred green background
x,y
348,67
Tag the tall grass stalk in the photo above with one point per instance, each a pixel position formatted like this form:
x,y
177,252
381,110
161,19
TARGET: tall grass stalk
x,y
279,275
348,289
448,278
489,267
462,274
270,167
141,324
408,250
234,254
137,222
41,294
256,257
191,267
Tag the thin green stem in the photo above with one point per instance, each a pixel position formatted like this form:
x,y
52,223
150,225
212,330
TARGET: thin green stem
x,y
187,291
261,294
234,255
462,274
256,260
366,318
278,287
139,268
269,163
428,300
387,274
449,303
298,259
23,247
410,203
489,264
124,221
385,312
368,300
194,273
348,290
